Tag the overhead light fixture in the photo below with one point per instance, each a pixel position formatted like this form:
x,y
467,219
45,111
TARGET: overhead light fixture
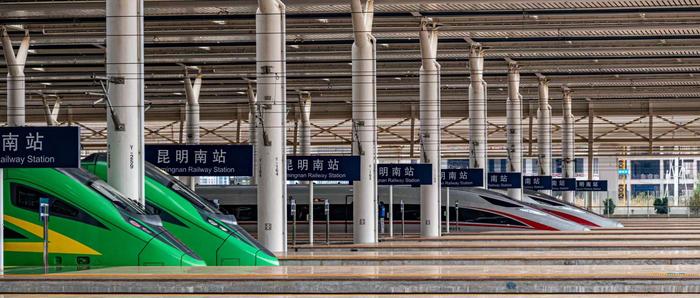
x,y
46,83
177,93
323,21
219,22
206,48
397,78
31,51
38,68
294,46
385,45
240,92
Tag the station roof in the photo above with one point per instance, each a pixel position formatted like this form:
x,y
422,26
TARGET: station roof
x,y
634,66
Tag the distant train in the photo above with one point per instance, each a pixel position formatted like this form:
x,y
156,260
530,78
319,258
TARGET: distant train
x,y
568,211
479,209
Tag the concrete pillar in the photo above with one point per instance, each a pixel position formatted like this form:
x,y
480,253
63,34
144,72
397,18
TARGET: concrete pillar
x,y
252,124
567,142
15,108
125,138
192,118
51,113
429,109
305,141
514,130
271,100
478,128
544,130
364,115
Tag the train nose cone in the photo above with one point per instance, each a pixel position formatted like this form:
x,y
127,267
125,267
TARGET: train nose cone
x,y
263,259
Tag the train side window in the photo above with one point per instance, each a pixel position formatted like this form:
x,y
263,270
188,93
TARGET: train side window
x,y
484,217
164,215
28,198
12,234
546,202
499,202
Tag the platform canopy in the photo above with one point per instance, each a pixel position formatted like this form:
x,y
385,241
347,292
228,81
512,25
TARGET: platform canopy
x,y
634,68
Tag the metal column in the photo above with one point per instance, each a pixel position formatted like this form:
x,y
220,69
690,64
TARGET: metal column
x,y
544,130
192,117
430,225
51,113
15,108
125,91
271,100
514,132
477,111
305,140
364,115
567,144
252,124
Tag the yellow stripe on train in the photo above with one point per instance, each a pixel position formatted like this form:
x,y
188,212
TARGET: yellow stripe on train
x,y
58,243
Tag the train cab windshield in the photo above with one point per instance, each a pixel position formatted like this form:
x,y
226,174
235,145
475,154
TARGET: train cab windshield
x,y
180,188
104,189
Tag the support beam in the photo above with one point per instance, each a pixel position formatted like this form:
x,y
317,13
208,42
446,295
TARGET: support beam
x,y
429,109
364,116
651,130
544,130
15,108
529,129
192,118
567,146
478,129
125,124
252,124
514,116
412,147
272,141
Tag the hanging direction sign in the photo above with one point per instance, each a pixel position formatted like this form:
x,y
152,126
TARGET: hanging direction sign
x,y
404,174
323,168
537,182
564,184
462,177
202,160
592,185
40,147
505,180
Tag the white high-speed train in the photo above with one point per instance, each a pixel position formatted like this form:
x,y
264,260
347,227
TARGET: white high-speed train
x,y
479,209
568,211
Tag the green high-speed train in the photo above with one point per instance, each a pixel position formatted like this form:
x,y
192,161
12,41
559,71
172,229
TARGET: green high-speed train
x,y
214,236
91,224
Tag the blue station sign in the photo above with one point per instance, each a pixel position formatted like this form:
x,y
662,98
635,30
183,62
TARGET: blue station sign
x,y
40,147
537,182
564,184
323,168
202,160
404,174
505,180
462,177
592,185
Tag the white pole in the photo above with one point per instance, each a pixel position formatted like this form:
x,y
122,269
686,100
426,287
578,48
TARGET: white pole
x,y
192,117
125,62
305,140
567,142
15,109
271,99
364,102
252,124
391,211
544,130
477,111
447,207
514,126
430,131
